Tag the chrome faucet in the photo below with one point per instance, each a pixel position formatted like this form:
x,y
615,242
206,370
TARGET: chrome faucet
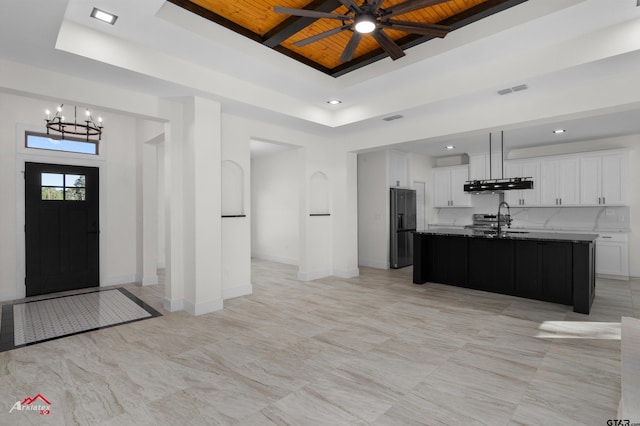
x,y
508,221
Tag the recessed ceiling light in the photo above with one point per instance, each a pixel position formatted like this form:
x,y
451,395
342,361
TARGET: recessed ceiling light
x,y
450,147
334,101
558,131
103,16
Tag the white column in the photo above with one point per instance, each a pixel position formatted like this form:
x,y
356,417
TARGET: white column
x,y
202,203
345,215
173,207
149,215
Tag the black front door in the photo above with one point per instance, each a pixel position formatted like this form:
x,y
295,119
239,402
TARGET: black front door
x,y
61,227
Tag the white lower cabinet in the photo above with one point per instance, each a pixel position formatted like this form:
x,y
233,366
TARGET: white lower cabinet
x,y
612,254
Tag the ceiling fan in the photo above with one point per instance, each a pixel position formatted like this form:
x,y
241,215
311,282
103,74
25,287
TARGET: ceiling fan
x,y
370,17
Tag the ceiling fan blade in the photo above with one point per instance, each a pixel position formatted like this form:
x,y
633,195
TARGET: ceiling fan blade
x,y
388,45
309,40
308,13
375,5
351,5
348,52
418,28
411,5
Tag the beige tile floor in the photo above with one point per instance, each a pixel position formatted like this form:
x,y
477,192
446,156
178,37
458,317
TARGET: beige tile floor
x,y
371,350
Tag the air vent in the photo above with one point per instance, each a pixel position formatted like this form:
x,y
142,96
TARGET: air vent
x,y
518,88
393,117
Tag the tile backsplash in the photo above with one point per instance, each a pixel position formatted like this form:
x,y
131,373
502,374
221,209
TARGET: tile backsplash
x,y
578,218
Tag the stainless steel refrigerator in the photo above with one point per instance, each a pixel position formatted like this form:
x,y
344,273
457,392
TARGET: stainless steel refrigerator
x,y
403,224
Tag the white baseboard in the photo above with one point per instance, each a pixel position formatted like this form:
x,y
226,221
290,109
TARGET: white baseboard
x,y
196,309
279,259
174,305
150,280
314,275
373,263
230,293
118,280
612,277
346,273
7,295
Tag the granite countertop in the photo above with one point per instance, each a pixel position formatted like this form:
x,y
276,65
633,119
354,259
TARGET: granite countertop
x,y
550,229
514,234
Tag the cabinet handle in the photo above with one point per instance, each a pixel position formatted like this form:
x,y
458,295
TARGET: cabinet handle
x,y
606,236
603,201
560,201
556,201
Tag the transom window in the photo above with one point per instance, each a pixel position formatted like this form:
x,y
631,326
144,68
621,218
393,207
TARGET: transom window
x,y
56,143
63,187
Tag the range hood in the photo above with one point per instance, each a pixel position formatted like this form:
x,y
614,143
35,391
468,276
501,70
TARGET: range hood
x,y
488,186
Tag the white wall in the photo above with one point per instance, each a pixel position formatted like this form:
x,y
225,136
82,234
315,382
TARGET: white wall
x,y
420,169
373,210
236,231
118,197
275,206
187,169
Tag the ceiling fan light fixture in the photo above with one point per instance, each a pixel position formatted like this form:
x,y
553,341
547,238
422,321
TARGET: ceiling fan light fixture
x,y
365,23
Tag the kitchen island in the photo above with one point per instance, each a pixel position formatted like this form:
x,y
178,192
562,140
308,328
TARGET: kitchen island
x,y
552,267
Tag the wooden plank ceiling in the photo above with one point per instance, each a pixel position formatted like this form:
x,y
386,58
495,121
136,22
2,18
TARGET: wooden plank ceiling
x,y
257,20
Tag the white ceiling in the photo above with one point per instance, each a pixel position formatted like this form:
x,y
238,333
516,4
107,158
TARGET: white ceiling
x,y
160,49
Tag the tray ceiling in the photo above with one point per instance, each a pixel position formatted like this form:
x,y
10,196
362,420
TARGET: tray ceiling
x,y
256,19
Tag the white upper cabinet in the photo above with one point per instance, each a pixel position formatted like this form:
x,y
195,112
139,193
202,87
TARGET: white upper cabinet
x,y
560,181
483,166
448,187
523,168
603,179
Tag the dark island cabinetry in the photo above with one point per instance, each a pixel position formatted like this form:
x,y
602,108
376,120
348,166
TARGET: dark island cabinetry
x,y
446,254
552,270
491,265
544,271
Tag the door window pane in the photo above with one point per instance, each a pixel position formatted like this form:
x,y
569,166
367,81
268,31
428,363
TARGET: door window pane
x,y
58,186
74,194
52,193
74,181
52,179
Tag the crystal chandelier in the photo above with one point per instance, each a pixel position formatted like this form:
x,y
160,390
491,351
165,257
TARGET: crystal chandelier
x,y
87,127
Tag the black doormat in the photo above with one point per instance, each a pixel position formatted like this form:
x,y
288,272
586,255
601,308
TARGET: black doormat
x,y
28,323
